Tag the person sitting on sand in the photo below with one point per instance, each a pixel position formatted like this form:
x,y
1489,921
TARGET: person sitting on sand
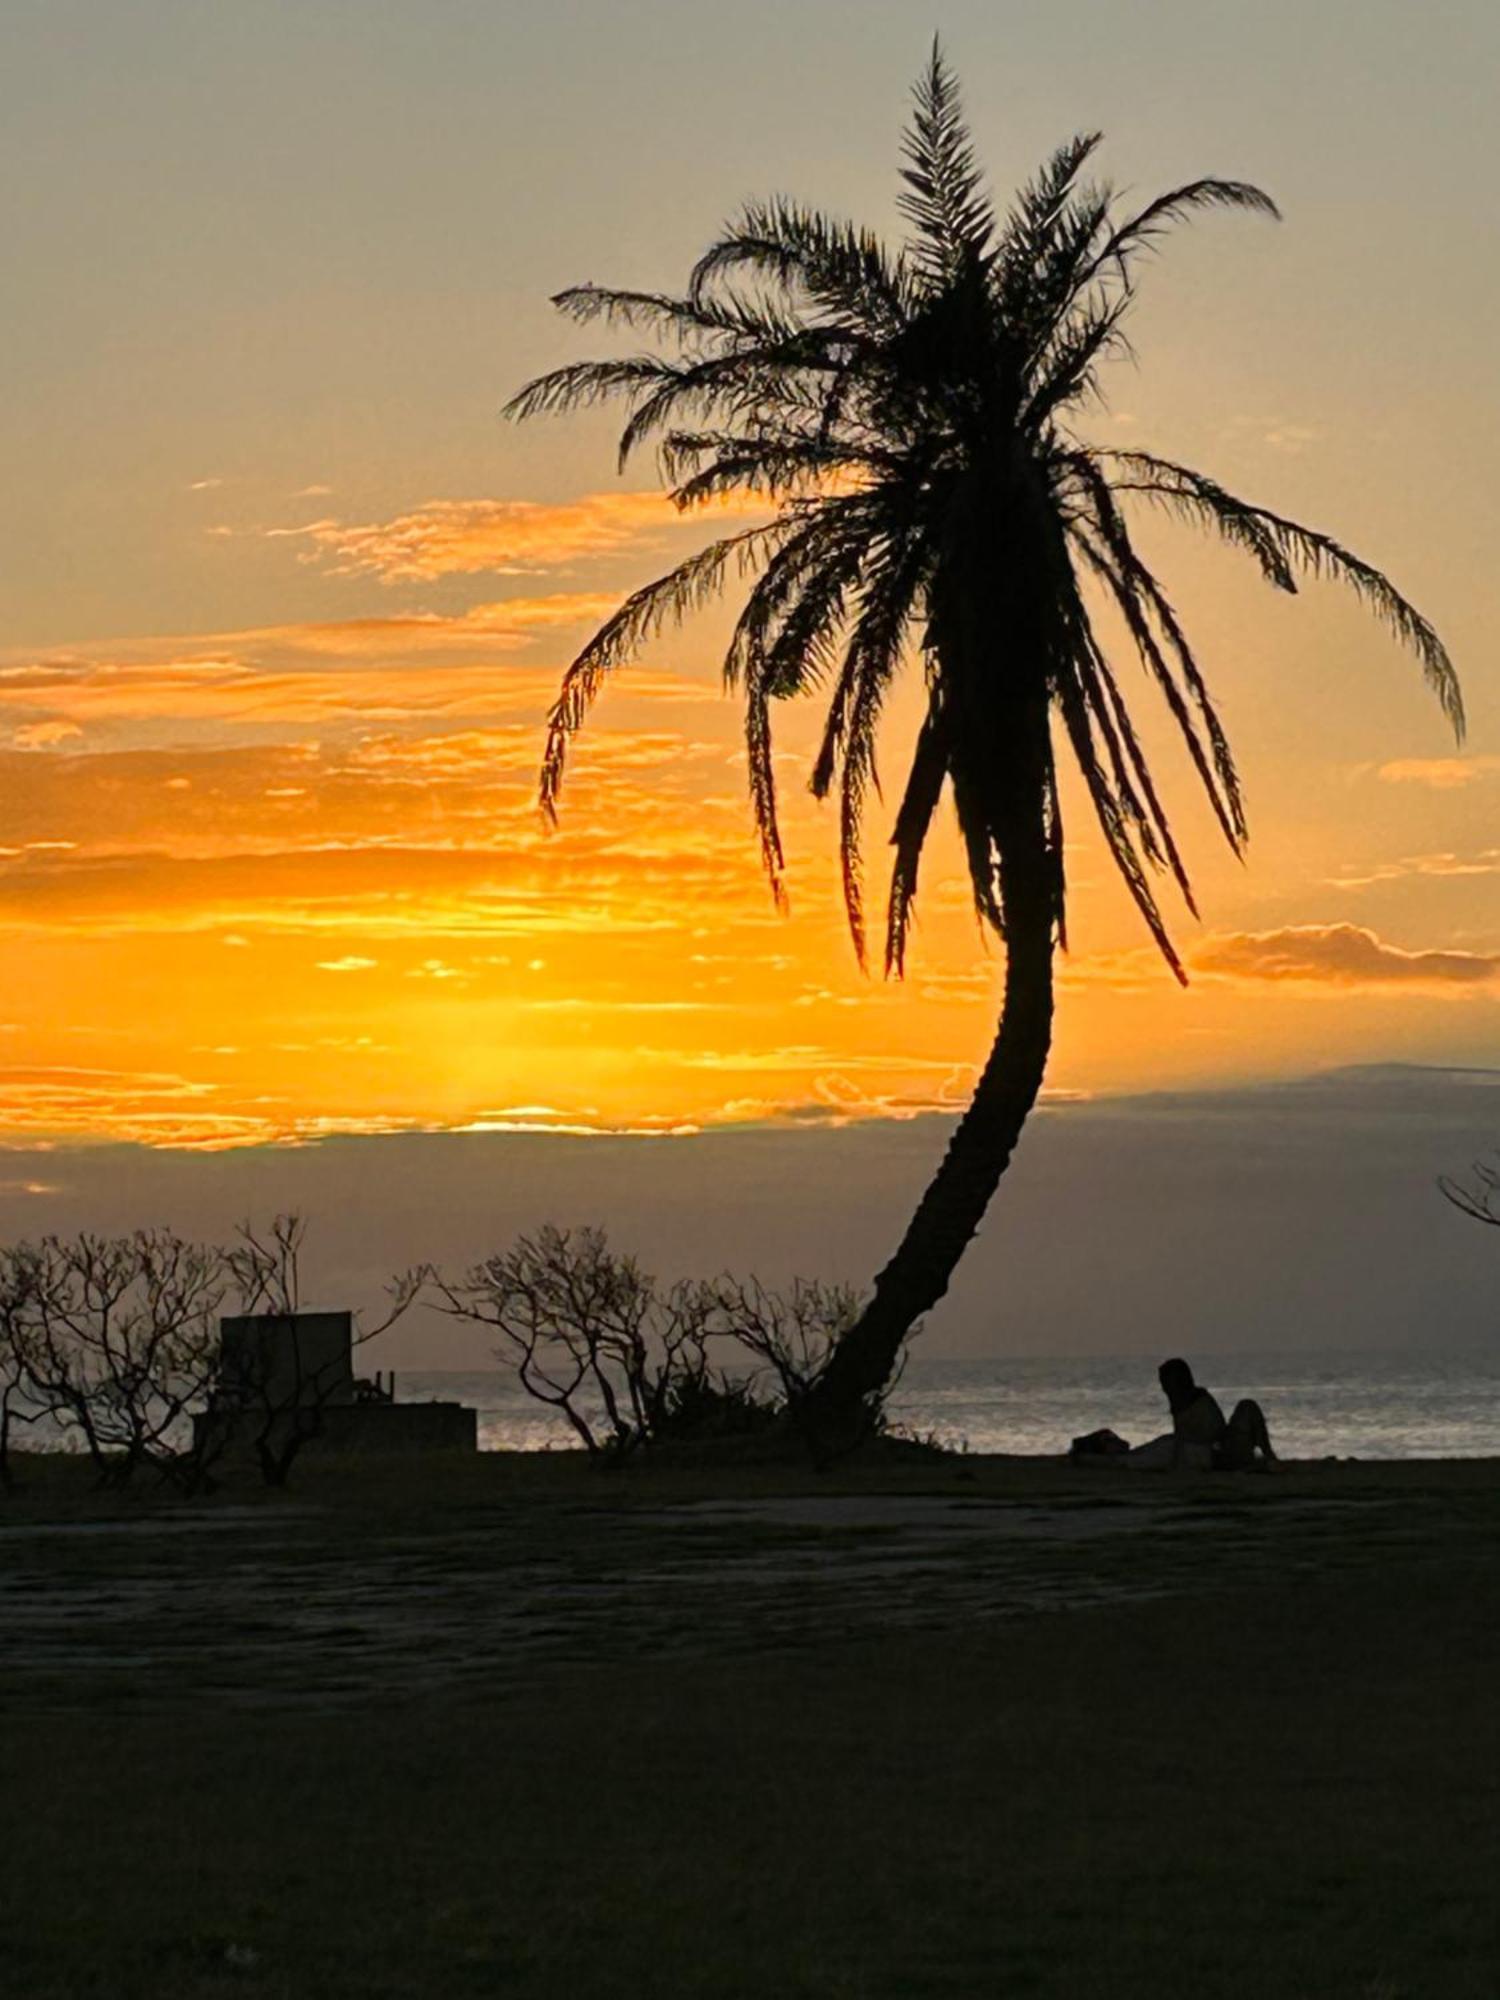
x,y
1200,1439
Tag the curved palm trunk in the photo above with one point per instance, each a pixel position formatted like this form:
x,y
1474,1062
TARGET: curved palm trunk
x,y
980,1150
993,626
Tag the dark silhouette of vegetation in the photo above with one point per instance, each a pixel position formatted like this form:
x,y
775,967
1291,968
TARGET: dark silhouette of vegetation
x,y
909,416
111,1343
1478,1198
631,1365
111,1346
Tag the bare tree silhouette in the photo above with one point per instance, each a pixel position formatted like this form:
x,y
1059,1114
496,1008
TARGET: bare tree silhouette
x,y
1478,1198
908,415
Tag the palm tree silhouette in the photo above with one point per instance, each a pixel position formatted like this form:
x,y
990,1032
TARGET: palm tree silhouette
x,y
907,415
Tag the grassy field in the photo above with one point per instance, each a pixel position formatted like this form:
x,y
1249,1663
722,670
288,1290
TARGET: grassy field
x,y
941,1728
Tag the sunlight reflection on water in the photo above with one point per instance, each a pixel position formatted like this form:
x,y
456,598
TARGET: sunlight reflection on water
x,y
1346,1405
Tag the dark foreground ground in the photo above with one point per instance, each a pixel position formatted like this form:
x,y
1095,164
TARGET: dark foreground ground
x,y
958,1729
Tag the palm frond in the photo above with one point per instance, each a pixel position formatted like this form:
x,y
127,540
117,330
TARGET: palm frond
x,y
739,382
803,649
776,467
924,788
1078,720
944,198
1214,763
1141,600
801,591
762,770
1044,238
584,383
1141,229
1296,547
972,809
1134,787
753,323
1203,500
891,582
645,612
1066,371
838,267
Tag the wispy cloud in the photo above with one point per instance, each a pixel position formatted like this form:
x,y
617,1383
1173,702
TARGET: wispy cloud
x,y
1342,955
1275,433
46,1103
44,735
499,537
1433,866
1443,774
1293,439
376,669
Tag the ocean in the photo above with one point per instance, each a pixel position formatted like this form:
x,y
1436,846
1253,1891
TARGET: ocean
x,y
1342,1405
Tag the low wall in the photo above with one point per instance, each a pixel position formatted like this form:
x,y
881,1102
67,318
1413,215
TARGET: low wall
x,y
399,1427
368,1427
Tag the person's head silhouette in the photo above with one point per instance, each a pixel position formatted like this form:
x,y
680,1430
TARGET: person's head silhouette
x,y
1177,1383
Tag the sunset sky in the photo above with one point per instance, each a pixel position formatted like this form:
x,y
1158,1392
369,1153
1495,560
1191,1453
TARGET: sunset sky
x,y
284,600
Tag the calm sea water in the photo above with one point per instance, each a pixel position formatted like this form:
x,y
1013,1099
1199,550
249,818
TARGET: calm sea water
x,y
1318,1405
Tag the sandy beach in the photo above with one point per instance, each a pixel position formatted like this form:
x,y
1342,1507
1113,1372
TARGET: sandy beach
x,y
389,1736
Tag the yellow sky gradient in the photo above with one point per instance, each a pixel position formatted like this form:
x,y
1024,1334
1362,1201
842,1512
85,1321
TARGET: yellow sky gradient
x,y
285,606
282,882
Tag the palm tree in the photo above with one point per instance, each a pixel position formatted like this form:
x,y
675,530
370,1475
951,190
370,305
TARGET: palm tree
x,y
908,416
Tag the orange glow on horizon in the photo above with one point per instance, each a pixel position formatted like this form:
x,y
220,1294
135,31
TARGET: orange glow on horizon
x,y
286,882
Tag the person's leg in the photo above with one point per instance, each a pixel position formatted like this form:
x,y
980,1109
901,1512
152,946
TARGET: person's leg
x,y
1245,1434
1160,1455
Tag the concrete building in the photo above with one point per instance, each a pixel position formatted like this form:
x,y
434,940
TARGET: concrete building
x,y
284,1374
287,1359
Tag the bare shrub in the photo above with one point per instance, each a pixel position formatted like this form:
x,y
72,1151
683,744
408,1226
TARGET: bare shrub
x,y
1480,1196
629,1364
112,1346
111,1341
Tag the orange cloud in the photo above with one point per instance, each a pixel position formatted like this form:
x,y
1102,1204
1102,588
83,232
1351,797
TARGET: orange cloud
x,y
594,884
1440,866
469,787
1444,774
1344,955
46,1104
500,537
44,735
370,670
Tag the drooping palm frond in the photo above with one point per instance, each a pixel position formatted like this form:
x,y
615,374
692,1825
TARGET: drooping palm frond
x,y
732,384
644,613
1081,719
924,789
1214,763
1140,231
784,634
752,323
839,269
1067,369
583,383
1283,547
891,585
1108,552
